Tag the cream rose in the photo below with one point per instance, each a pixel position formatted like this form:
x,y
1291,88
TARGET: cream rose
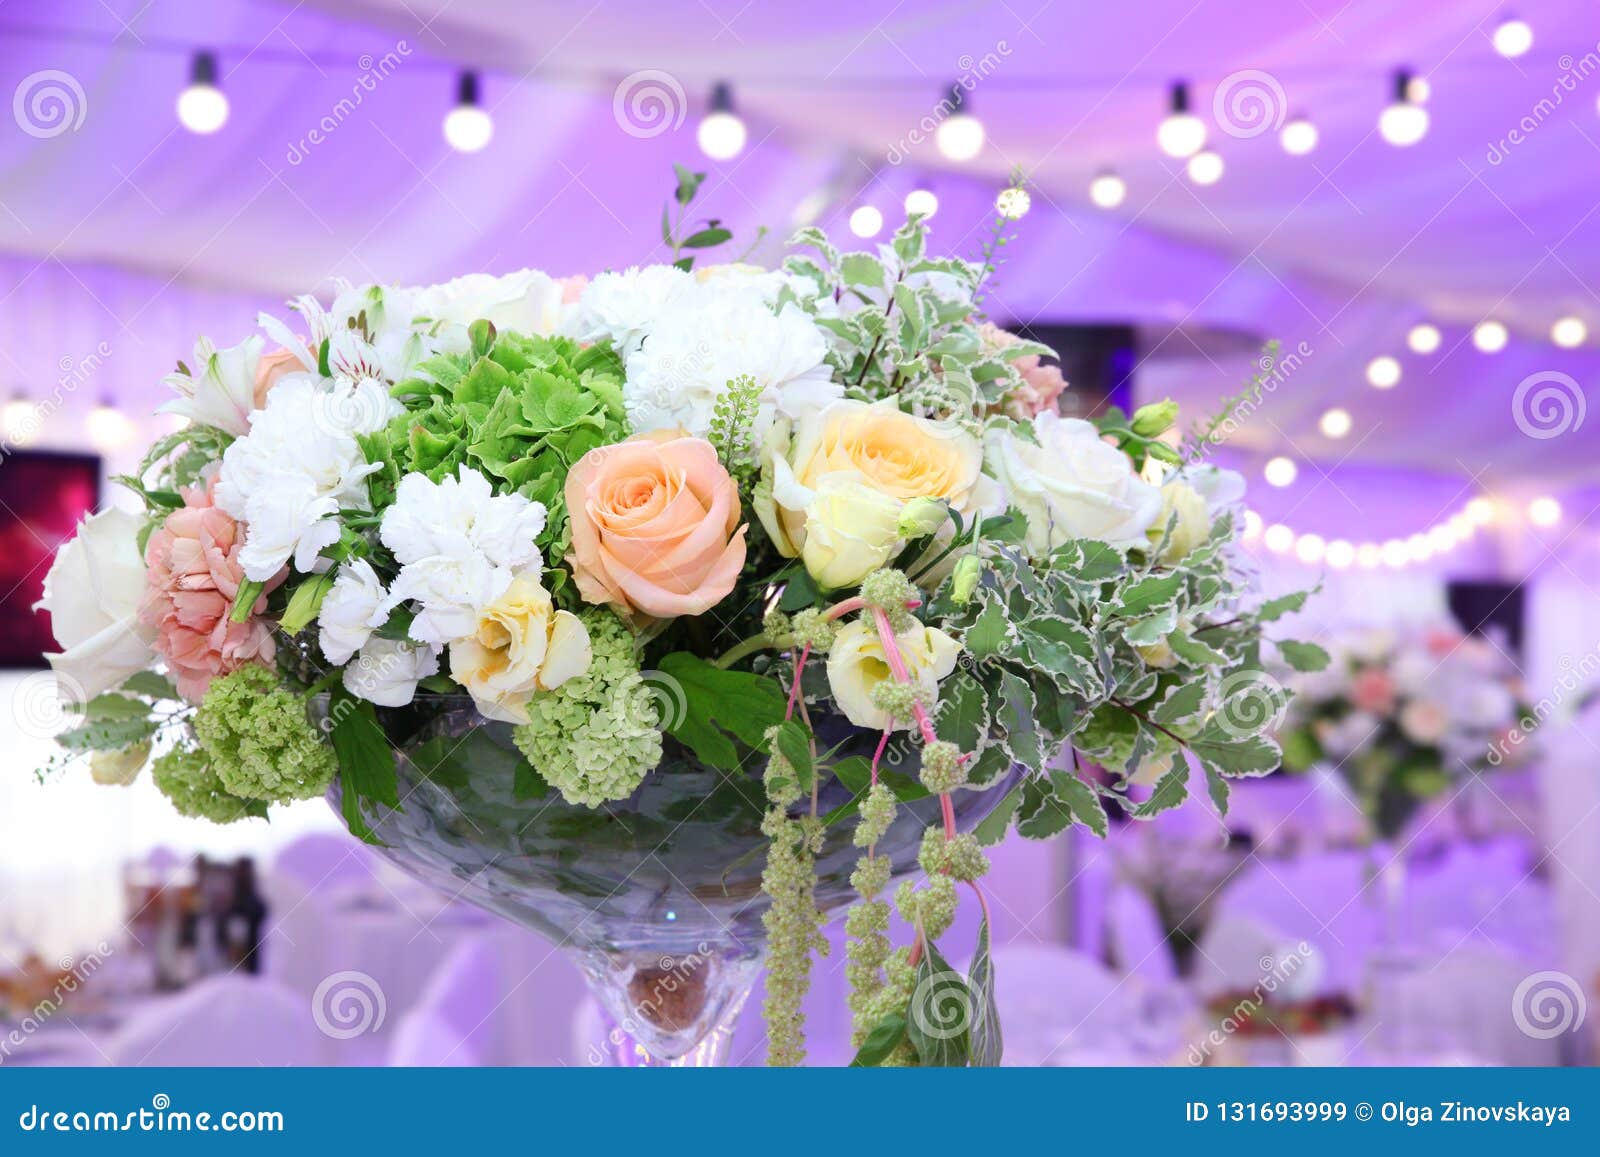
x,y
893,453
850,531
92,593
522,645
1072,485
857,663
1193,521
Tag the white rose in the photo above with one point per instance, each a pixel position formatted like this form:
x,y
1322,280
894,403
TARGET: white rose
x,y
522,645
857,663
350,611
1072,485
851,531
526,301
1183,506
93,592
387,671
1424,721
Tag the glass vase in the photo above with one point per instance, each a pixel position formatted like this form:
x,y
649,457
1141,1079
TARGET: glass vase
x,y
657,897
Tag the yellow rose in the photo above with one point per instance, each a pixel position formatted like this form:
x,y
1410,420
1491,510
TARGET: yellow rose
x,y
894,453
851,531
1193,525
857,664
522,645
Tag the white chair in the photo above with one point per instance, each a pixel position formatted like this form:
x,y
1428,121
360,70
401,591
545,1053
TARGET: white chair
x,y
425,1039
1464,1005
320,861
229,1020
1056,1003
457,1012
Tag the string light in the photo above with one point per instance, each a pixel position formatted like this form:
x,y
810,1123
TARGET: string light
x,y
21,420
1513,38
201,106
1404,122
1341,553
1309,548
1335,423
1383,373
467,126
1481,511
1182,134
1369,555
721,133
1569,333
1205,168
1252,526
1439,539
1298,137
1108,190
866,221
1280,471
1544,511
1423,338
1013,202
107,427
960,136
1490,337
1278,538
922,202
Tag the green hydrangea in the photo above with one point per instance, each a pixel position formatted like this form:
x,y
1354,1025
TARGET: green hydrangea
x,y
185,777
595,737
256,735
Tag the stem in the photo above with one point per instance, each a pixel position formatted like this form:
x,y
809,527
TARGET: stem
x,y
740,650
794,690
1215,626
323,683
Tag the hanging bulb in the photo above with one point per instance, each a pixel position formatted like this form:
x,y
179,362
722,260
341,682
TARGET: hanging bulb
x,y
1423,338
1278,538
1336,423
1280,471
960,135
1205,168
1490,336
1013,202
201,107
1569,333
1298,137
1404,122
467,126
1544,511
866,221
1383,372
1108,190
21,420
1182,134
722,133
1512,38
922,202
107,427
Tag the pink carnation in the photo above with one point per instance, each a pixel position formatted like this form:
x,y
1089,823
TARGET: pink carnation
x,y
192,574
1373,690
1041,385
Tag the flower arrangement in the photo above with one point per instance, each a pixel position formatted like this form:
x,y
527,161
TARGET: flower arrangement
x,y
825,489
1403,716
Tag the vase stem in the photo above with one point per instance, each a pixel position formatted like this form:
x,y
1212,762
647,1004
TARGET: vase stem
x,y
670,1009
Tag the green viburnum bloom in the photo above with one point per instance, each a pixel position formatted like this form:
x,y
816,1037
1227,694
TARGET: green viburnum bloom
x,y
596,736
255,733
188,780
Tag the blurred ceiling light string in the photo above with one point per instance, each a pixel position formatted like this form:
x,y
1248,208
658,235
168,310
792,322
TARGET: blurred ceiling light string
x,y
1404,121
202,108
1406,550
467,127
1181,133
722,134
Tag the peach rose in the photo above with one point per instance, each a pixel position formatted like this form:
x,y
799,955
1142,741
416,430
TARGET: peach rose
x,y
1373,690
655,527
269,369
192,574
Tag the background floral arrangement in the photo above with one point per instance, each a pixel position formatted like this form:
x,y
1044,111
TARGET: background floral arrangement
x,y
826,489
1403,716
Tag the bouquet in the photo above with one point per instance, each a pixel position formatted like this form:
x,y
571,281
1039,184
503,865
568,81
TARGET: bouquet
x,y
1405,716
727,510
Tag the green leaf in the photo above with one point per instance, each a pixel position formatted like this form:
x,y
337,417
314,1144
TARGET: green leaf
x,y
939,1020
249,592
688,184
1274,609
855,772
113,706
1170,791
1183,704
1150,594
1303,656
793,742
107,734
306,601
1081,798
986,1041
989,632
1042,813
884,1038
707,238
150,685
1193,652
1231,755
962,717
366,761
992,828
719,703
861,269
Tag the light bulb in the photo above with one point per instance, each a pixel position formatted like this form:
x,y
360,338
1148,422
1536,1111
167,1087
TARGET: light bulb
x,y
1513,38
1298,137
1404,122
1480,510
866,221
1205,168
1383,373
922,201
1544,512
722,133
1490,336
1280,471
1368,555
1423,338
1394,553
1182,134
1569,333
107,427
1335,423
1340,554
467,126
1278,538
1418,548
1108,190
1252,526
1462,527
22,420
201,107
1309,548
1013,202
960,135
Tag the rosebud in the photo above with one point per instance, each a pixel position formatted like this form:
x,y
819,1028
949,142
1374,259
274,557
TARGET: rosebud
x,y
922,516
1148,421
964,580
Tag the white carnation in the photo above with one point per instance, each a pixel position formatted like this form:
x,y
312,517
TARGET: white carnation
x,y
623,308
707,341
527,301
350,611
459,545
387,671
